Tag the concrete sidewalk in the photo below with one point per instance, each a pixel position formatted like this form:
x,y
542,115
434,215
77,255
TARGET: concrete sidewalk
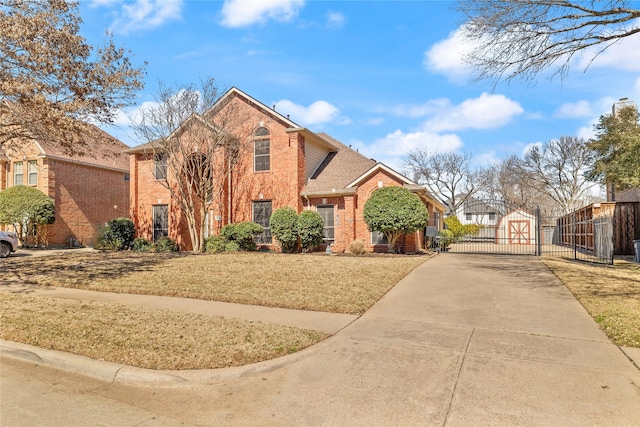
x,y
315,320
462,340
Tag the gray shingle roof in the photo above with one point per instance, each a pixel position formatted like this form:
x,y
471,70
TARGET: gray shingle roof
x,y
338,169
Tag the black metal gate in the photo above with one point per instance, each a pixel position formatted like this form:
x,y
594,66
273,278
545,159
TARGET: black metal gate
x,y
494,227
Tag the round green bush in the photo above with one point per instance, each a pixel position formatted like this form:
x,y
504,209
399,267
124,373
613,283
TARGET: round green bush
x,y
118,235
242,233
231,247
283,223
141,245
215,244
310,226
165,244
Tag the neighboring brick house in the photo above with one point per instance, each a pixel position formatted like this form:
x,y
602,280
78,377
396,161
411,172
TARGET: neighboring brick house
x,y
280,164
88,190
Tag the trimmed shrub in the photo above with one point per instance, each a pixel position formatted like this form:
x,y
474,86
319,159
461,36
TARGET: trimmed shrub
x,y
165,244
231,247
455,226
357,247
394,211
118,235
215,244
472,229
141,245
242,233
26,208
310,226
283,223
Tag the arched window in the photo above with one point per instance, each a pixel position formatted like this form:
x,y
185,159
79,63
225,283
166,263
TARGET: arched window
x,y
261,150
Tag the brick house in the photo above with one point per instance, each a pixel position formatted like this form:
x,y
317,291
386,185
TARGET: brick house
x,y
88,189
280,165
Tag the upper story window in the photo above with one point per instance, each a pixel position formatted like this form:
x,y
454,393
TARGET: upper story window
x,y
18,173
160,166
261,150
32,170
468,216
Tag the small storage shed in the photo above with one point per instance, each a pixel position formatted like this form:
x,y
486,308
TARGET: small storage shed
x,y
516,228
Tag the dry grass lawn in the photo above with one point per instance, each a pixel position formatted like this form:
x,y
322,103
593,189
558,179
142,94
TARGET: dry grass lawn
x,y
153,339
611,295
339,284
158,339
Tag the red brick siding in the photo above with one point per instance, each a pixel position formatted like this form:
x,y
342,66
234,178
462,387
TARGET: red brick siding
x,y
281,184
85,197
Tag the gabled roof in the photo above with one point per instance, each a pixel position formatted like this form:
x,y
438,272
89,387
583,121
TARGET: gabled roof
x,y
380,167
287,123
337,170
235,92
101,149
92,147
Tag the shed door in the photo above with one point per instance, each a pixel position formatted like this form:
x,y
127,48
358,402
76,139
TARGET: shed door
x,y
519,232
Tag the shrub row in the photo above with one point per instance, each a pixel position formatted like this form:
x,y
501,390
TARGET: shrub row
x,y
119,235
290,229
234,238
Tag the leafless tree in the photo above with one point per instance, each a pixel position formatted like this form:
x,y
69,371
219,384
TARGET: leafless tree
x,y
52,81
522,38
449,176
557,169
509,183
197,145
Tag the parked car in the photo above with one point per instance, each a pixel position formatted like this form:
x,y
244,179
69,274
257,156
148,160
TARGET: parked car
x,y
8,243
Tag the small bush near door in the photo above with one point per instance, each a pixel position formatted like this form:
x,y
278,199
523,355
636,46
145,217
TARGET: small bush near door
x,y
357,247
118,235
310,226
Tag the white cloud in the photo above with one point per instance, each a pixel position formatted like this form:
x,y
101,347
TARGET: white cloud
x,y
488,111
335,20
242,13
374,121
447,57
574,110
318,112
392,148
623,55
141,14
486,159
586,133
428,108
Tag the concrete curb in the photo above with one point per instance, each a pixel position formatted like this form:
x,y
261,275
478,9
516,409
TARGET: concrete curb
x,y
116,373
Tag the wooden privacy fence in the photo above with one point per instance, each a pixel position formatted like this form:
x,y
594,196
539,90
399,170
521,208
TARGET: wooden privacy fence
x,y
606,229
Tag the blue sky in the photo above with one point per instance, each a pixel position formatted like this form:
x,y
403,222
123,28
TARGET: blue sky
x,y
383,76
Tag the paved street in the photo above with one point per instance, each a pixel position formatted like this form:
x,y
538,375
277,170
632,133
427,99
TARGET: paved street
x,y
463,340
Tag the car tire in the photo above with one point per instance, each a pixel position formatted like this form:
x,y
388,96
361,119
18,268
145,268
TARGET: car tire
x,y
5,250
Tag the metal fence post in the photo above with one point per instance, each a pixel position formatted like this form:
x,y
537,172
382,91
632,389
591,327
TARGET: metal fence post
x,y
538,232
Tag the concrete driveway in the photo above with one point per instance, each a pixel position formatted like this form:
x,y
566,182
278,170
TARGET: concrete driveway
x,y
462,340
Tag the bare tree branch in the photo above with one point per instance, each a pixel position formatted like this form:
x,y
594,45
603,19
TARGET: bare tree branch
x,y
521,38
198,145
557,169
447,175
